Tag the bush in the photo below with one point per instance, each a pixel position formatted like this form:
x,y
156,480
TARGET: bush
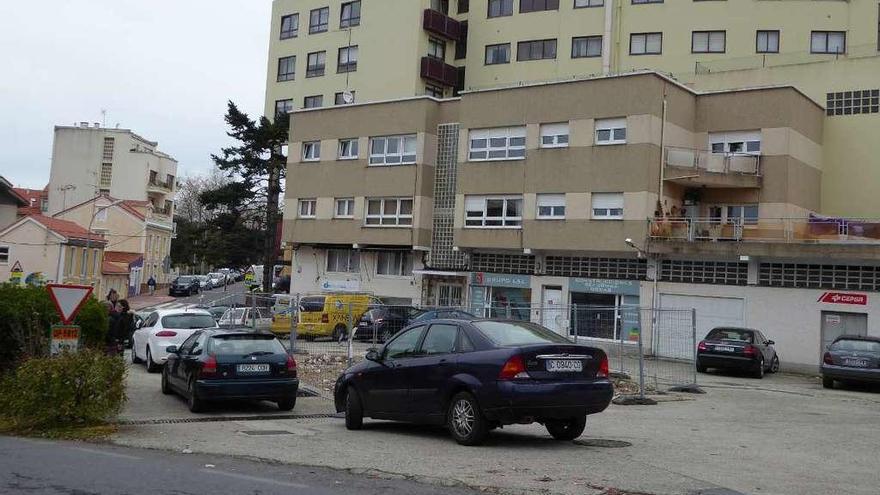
x,y
94,322
68,390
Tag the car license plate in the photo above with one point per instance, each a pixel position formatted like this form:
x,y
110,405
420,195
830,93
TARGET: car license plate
x,y
855,363
253,368
565,365
723,348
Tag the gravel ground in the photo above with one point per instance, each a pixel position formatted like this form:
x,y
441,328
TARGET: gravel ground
x,y
321,370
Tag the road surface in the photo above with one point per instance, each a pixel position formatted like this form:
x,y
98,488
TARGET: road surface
x,y
43,467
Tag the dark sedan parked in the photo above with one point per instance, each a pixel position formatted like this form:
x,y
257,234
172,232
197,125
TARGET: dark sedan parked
x,y
229,365
440,314
184,286
380,324
477,375
743,349
851,358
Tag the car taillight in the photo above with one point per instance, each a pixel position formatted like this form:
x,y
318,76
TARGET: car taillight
x,y
827,358
291,365
603,367
210,367
325,318
701,346
513,369
166,333
749,350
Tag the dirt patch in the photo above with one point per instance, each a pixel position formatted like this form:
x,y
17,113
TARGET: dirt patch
x,y
321,370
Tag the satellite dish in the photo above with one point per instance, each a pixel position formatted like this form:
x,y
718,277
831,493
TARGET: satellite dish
x,y
347,97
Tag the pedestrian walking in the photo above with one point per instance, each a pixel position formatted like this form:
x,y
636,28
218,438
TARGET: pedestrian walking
x,y
151,284
121,329
225,282
112,301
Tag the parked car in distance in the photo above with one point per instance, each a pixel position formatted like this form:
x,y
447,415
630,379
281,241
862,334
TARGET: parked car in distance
x,y
282,313
327,315
213,365
380,324
217,311
476,375
185,285
204,282
743,349
163,328
438,314
217,279
246,317
851,358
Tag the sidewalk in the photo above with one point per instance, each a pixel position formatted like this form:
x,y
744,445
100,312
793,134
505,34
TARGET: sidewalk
x,y
145,300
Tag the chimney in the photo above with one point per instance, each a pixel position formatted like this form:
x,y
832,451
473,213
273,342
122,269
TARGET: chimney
x,y
96,125
84,125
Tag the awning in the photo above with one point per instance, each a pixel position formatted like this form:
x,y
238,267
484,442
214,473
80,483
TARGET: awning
x,y
440,273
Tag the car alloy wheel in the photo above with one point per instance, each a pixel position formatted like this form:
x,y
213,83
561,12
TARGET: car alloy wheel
x,y
774,365
759,372
463,417
152,367
354,411
465,420
195,404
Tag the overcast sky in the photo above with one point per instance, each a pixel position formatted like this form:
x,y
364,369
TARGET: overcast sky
x,y
163,68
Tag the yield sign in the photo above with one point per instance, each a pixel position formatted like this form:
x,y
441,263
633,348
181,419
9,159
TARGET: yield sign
x,y
68,299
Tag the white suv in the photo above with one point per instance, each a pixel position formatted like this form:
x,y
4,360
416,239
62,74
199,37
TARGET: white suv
x,y
164,328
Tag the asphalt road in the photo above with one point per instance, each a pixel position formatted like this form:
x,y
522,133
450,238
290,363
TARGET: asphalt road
x,y
43,467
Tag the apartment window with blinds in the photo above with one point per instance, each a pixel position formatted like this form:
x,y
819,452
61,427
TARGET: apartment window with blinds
x,y
493,212
318,20
607,206
436,49
526,6
394,263
646,43
289,26
554,135
287,68
579,4
343,261
828,42
315,101
347,61
350,15
106,174
393,150
500,8
551,207
708,41
535,50
344,208
4,255
307,208
109,144
283,107
506,143
611,131
767,42
316,63
389,212
498,54
311,151
348,149
586,46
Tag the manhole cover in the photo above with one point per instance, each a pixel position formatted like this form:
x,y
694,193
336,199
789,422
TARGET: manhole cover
x,y
259,433
602,443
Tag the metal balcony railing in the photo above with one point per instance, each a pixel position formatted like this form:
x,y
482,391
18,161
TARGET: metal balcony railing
x,y
439,71
719,163
810,230
441,25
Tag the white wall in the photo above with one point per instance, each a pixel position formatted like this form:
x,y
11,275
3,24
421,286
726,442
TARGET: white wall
x,y
35,248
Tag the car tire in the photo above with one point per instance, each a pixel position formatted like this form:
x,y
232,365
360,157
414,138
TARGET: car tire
x,y
567,429
774,365
286,404
701,368
465,420
827,382
134,358
152,367
354,410
166,387
195,404
759,370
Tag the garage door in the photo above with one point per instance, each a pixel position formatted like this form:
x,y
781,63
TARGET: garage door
x,y
675,338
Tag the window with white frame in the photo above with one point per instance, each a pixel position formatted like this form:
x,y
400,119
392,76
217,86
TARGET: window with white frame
x,y
493,212
307,208
4,255
742,214
394,263
708,41
607,206
506,143
551,206
393,150
588,3
736,143
348,149
828,42
554,135
389,212
311,151
344,208
343,261
611,131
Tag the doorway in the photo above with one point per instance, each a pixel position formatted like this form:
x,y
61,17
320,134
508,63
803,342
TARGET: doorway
x,y
835,324
552,312
594,315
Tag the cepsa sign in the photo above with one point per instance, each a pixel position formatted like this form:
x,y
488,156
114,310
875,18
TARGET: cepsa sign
x,y
843,298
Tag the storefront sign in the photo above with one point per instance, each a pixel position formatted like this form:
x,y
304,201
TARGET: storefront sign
x,y
501,280
340,285
65,338
600,286
843,298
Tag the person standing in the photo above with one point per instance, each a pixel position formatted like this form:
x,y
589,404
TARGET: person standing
x,y
121,329
151,284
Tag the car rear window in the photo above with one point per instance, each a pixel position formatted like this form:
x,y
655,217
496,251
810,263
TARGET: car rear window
x,y
313,304
510,333
235,314
856,346
187,321
731,334
245,344
185,280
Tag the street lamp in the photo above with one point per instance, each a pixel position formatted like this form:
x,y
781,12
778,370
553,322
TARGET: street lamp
x,y
82,273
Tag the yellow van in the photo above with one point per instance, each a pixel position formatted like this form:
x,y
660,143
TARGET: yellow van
x,y
281,314
327,315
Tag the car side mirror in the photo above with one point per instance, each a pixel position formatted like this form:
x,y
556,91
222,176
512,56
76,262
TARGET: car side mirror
x,y
373,355
172,349
770,342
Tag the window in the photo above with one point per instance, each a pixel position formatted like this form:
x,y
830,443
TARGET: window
x,y
393,150
500,8
646,1
436,49
441,6
645,43
344,208
440,339
828,42
607,206
736,143
44,203
767,42
611,131
434,91
404,345
287,68
351,14
586,46
318,20
493,211
394,263
464,6
498,54
554,135
289,26
108,148
101,215
316,62
578,4
84,263
551,206
348,149
311,151
4,255
307,208
708,41
461,42
853,102
506,143
106,174
343,261
348,59
742,214
536,50
316,101
283,107
537,5
389,212
339,98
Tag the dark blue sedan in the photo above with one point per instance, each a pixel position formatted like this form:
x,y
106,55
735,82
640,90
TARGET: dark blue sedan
x,y
474,376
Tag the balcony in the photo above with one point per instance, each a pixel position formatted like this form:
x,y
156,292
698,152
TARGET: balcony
x,y
701,168
439,72
442,25
812,230
159,187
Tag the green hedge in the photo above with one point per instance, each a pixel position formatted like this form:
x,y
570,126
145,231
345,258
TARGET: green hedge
x,y
67,390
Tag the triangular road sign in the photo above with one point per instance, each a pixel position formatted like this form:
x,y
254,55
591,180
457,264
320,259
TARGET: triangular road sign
x,y
17,267
68,299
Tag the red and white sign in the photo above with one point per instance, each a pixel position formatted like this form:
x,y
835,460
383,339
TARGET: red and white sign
x,y
68,299
844,298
